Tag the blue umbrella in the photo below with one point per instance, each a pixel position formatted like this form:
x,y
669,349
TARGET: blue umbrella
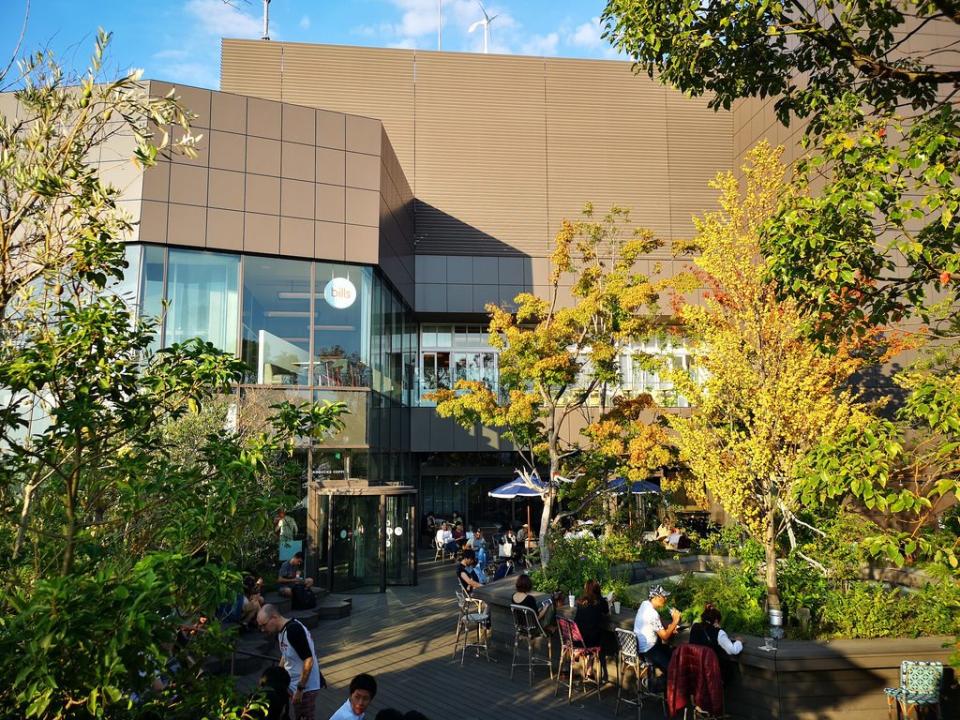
x,y
640,487
518,488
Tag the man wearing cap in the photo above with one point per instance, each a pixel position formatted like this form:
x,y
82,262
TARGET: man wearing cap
x,y
652,636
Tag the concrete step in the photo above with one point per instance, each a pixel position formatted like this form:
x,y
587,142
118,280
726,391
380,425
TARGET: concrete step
x,y
282,603
334,608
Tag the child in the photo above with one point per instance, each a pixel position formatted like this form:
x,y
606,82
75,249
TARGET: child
x,y
275,681
363,688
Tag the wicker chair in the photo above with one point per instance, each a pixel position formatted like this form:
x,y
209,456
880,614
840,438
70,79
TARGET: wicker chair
x,y
628,659
575,650
919,687
472,616
527,627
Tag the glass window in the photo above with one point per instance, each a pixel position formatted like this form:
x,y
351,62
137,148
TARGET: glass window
x,y
444,336
128,286
429,339
151,289
276,320
341,317
202,297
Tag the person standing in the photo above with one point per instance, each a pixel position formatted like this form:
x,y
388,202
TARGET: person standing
x,y
298,657
286,531
652,636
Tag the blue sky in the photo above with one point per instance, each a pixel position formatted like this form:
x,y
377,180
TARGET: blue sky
x,y
179,40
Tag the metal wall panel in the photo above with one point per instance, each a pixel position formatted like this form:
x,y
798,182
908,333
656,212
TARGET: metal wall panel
x,y
498,149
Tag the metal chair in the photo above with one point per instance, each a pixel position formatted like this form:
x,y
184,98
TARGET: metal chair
x,y
471,616
628,658
526,626
441,552
920,684
573,648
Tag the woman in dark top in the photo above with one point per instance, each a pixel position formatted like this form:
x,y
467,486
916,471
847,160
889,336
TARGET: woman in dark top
x,y
591,618
709,633
522,596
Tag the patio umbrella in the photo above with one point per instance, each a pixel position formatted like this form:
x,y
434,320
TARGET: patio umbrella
x,y
640,487
518,488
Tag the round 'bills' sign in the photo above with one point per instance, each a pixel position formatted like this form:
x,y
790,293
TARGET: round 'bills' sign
x,y
340,293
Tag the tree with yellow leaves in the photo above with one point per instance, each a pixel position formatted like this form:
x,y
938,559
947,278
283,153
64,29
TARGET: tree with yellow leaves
x,y
558,359
768,395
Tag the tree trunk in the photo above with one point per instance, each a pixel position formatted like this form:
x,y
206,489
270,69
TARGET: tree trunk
x,y
24,515
545,525
770,552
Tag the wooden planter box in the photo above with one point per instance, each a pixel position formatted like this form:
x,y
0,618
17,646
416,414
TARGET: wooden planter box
x,y
802,680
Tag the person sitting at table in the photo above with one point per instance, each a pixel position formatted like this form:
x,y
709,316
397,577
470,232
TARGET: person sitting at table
x,y
591,618
709,633
478,544
676,540
459,536
445,539
652,636
466,574
544,609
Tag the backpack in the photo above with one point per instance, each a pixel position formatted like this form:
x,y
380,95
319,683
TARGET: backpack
x,y
302,598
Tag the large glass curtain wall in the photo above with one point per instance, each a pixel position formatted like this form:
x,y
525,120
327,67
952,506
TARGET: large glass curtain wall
x,y
455,352
294,322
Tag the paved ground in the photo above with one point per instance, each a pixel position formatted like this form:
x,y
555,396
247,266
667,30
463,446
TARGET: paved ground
x,y
405,639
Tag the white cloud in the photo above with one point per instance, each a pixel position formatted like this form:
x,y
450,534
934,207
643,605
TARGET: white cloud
x,y
304,23
192,56
545,45
222,19
587,35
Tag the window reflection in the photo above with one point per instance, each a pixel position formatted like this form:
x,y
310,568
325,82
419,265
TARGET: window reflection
x,y
202,296
151,290
276,320
341,328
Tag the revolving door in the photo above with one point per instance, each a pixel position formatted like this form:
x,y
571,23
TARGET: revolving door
x,y
363,537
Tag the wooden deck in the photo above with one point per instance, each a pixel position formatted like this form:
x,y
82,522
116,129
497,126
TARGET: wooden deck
x,y
404,638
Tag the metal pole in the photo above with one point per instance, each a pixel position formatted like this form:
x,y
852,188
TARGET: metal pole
x,y
383,543
266,19
439,24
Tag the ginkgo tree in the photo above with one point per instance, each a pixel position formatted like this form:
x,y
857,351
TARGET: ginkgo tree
x,y
560,359
767,395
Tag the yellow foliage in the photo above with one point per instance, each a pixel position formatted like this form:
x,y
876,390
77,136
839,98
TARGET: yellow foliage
x,y
767,394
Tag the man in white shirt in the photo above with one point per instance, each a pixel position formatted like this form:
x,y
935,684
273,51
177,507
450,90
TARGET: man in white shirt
x,y
652,636
298,657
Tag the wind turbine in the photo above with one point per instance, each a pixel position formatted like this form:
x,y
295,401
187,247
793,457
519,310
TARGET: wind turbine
x,y
487,19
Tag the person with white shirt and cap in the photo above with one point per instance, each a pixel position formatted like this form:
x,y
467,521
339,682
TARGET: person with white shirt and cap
x,y
652,636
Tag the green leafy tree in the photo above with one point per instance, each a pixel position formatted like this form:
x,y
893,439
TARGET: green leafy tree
x,y
877,243
556,360
112,539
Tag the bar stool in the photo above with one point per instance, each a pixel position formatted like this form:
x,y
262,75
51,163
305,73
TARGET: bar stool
x,y
471,615
527,627
573,648
628,658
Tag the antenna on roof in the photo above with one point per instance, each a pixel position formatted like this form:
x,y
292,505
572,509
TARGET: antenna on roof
x,y
266,16
485,23
266,19
439,24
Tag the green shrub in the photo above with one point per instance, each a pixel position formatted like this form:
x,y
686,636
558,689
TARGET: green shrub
x,y
738,594
572,563
864,610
